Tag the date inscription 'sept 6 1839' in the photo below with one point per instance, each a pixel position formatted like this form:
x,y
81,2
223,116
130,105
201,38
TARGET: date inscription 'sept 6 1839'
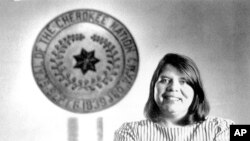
x,y
85,60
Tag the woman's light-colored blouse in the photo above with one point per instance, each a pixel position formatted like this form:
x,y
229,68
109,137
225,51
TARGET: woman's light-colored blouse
x,y
212,129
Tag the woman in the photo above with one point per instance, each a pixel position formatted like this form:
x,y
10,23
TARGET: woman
x,y
177,108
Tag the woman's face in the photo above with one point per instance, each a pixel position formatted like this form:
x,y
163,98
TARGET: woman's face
x,y
172,94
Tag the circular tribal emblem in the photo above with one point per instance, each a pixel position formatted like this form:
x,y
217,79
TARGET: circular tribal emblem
x,y
85,60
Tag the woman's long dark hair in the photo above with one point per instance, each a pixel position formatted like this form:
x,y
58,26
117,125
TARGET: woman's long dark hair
x,y
199,108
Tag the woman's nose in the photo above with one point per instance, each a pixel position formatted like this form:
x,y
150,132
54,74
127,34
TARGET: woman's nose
x,y
173,86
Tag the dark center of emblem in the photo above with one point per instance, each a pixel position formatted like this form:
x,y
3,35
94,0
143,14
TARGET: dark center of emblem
x,y
86,61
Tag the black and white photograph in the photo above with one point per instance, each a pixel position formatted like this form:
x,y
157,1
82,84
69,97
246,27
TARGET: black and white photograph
x,y
124,70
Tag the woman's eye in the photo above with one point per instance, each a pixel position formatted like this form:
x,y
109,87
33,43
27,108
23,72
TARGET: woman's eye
x,y
164,80
183,81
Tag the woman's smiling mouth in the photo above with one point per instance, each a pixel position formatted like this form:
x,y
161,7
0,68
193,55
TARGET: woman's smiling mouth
x,y
171,98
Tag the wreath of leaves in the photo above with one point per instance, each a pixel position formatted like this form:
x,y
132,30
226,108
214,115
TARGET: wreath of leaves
x,y
112,60
58,55
93,83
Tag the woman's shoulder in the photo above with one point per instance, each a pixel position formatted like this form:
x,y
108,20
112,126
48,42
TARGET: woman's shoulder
x,y
219,120
219,127
133,124
219,123
130,128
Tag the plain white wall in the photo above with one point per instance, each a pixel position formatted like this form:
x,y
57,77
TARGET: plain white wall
x,y
215,34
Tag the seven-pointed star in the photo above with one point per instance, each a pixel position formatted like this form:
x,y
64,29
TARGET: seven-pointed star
x,y
86,61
